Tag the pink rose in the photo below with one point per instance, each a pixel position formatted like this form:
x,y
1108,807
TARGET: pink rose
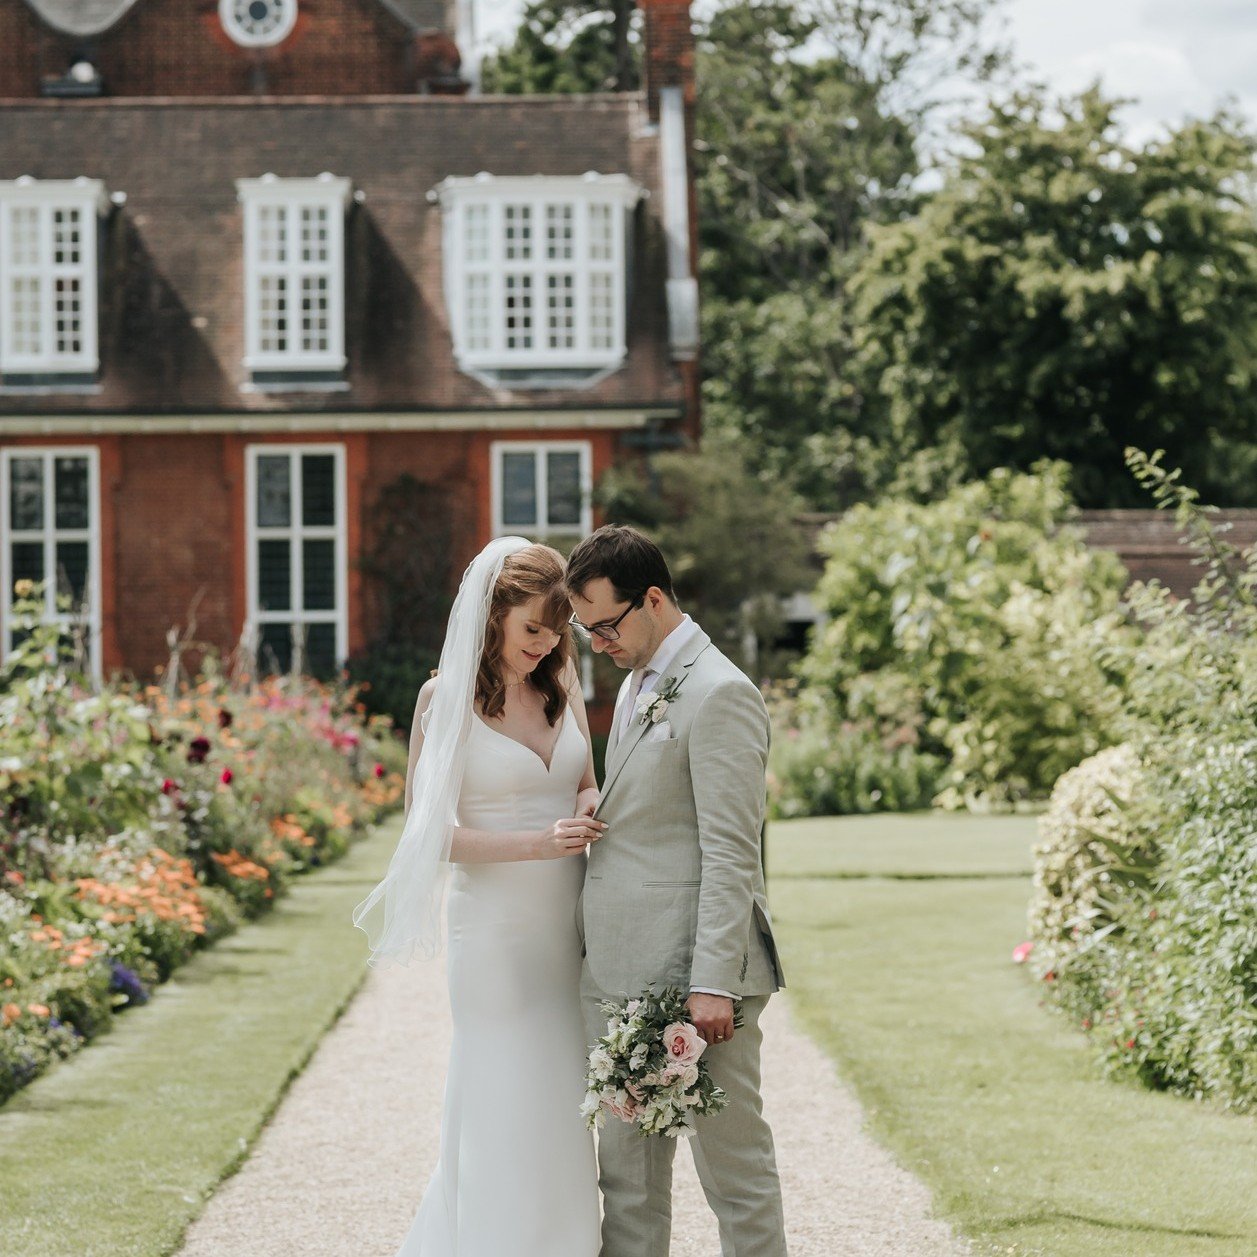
x,y
622,1105
683,1042
687,1074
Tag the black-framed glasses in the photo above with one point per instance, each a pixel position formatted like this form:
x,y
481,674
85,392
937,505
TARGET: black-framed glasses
x,y
609,630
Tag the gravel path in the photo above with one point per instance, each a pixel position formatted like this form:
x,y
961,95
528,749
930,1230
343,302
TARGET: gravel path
x,y
340,1168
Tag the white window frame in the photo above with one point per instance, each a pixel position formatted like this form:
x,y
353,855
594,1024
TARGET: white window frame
x,y
540,449
492,194
290,196
248,39
49,534
294,533
88,198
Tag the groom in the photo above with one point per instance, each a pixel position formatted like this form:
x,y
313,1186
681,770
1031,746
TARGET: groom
x,y
674,892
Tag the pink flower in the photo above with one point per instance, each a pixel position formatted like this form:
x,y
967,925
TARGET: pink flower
x,y
226,776
621,1105
169,786
1021,953
378,770
687,1074
683,1043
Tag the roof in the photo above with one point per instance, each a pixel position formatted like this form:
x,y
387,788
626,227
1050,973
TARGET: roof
x,y
93,17
172,283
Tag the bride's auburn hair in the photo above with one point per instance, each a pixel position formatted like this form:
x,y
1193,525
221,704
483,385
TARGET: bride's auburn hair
x,y
535,572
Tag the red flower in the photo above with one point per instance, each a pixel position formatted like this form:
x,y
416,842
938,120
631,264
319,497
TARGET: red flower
x,y
198,749
169,786
378,770
226,776
224,718
1130,1043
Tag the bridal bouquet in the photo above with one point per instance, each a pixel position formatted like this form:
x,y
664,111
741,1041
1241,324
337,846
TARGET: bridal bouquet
x,y
648,1068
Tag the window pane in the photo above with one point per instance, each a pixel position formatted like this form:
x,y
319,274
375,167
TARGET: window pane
x,y
518,231
560,311
563,496
26,493
559,232
70,478
271,241
601,312
67,237
314,233
273,313
318,489
319,572
72,569
314,321
26,306
320,658
519,312
68,315
274,503
274,575
476,240
24,235
275,648
519,490
28,560
601,239
479,332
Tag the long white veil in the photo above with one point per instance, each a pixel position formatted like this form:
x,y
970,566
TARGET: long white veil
x,y
405,908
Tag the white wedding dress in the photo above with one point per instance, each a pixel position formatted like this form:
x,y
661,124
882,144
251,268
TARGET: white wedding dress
x,y
516,1175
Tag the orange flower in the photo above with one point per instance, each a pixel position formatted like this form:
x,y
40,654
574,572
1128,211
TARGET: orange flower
x,y
10,1013
40,1010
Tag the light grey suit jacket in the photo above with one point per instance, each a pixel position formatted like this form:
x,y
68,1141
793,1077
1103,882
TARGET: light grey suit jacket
x,y
674,892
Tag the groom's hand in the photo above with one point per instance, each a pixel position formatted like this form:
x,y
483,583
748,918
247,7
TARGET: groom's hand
x,y
712,1016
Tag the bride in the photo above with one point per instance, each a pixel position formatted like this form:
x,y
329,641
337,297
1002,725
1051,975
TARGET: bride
x,y
500,770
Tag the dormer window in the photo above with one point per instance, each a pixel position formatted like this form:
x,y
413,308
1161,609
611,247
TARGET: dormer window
x,y
294,231
535,275
258,23
48,335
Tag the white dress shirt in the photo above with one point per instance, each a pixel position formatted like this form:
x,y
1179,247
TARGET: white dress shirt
x,y
660,662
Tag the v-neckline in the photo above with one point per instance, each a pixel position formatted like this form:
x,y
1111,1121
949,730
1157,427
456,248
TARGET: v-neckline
x,y
554,746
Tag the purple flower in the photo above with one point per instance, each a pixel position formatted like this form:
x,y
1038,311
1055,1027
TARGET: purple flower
x,y
198,749
127,981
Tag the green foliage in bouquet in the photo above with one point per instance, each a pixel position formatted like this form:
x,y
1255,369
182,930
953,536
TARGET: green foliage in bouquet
x,y
970,629
648,1068
1166,985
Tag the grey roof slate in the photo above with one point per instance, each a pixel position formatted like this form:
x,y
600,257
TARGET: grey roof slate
x,y
92,17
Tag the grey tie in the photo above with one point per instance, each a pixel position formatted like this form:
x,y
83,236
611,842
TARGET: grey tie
x,y
638,682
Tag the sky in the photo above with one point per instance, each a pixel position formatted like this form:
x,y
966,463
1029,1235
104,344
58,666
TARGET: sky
x,y
1178,57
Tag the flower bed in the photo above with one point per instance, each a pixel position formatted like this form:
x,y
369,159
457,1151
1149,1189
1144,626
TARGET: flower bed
x,y
139,825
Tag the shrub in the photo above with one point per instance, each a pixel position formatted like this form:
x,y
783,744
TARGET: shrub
x,y
816,769
1166,985
1088,849
138,825
978,619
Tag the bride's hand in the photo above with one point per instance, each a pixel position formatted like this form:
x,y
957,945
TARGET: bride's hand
x,y
587,801
568,836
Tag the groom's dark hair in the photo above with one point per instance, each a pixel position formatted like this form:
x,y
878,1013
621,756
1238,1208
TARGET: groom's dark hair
x,y
626,557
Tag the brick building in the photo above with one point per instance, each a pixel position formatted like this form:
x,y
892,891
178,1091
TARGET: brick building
x,y
260,260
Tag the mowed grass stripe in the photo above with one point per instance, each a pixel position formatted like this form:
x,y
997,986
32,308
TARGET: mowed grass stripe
x,y
991,1098
115,1150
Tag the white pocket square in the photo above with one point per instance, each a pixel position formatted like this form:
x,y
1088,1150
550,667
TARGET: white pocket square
x,y
661,732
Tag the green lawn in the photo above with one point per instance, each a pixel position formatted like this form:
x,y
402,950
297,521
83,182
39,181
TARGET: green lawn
x,y
114,1151
897,933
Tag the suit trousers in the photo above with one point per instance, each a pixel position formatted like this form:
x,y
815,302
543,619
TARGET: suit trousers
x,y
733,1153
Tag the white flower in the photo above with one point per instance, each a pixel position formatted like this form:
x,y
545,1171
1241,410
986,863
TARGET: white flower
x,y
600,1064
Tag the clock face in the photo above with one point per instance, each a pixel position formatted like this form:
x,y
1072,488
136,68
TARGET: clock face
x,y
257,23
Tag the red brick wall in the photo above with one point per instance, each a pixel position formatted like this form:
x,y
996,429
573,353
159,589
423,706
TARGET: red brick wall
x,y
179,48
173,524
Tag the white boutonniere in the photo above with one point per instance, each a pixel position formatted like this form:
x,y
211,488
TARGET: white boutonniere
x,y
651,708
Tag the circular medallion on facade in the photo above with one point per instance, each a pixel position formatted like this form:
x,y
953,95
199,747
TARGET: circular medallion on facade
x,y
258,23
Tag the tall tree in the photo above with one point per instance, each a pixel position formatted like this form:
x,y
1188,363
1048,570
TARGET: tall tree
x,y
1067,294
